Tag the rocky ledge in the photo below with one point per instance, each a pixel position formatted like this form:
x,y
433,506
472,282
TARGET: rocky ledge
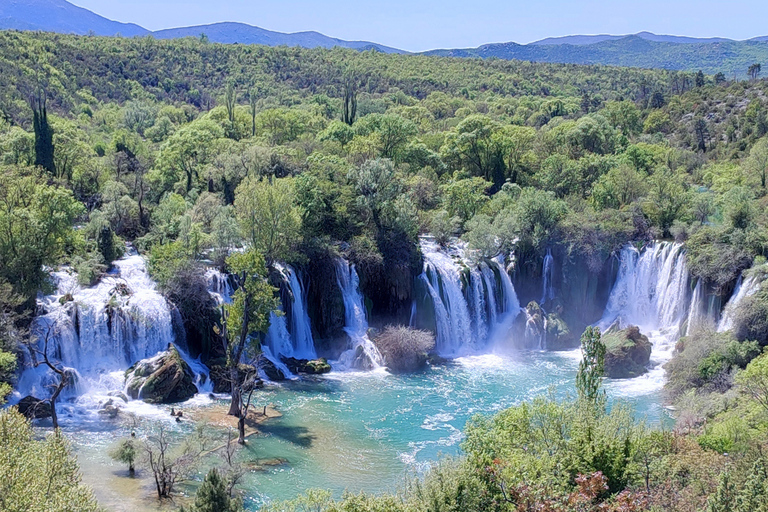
x,y
627,353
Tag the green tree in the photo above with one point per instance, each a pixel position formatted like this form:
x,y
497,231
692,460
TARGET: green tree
x,y
36,224
589,378
268,216
463,198
242,321
38,473
212,496
126,452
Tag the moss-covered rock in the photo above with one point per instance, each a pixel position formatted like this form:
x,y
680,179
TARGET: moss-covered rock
x,y
220,375
627,353
307,366
34,408
162,379
559,335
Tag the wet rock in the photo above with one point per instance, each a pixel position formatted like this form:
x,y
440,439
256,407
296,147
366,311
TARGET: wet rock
x,y
221,380
34,408
118,394
109,409
627,354
162,379
307,366
559,335
269,368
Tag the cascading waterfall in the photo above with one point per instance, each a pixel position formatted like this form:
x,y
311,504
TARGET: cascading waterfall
x,y
744,288
294,340
362,353
651,292
219,286
548,287
101,330
474,305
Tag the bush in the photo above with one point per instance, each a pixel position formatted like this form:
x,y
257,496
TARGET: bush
x,y
706,361
751,322
404,349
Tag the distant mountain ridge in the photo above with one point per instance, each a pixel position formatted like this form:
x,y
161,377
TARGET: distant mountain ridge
x,y
64,17
241,33
644,49
61,16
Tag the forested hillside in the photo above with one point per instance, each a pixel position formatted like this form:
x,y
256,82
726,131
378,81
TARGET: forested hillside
x,y
188,150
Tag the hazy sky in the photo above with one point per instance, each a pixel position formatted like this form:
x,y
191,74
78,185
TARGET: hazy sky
x,y
426,24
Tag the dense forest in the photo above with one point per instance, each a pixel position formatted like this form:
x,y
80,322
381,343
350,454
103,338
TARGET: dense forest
x,y
190,151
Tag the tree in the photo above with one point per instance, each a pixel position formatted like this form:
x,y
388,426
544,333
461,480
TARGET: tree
x,y
463,198
212,496
171,465
39,472
349,102
758,160
754,381
64,375
247,315
589,378
186,152
126,452
231,102
719,78
699,80
268,216
754,71
44,150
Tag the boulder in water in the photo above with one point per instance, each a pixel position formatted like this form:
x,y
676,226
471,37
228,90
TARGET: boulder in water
x,y
34,408
271,370
220,375
627,353
307,366
162,379
559,335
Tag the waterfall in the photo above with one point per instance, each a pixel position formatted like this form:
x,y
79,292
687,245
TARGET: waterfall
x,y
219,286
203,381
101,330
294,340
744,288
700,315
651,292
362,353
547,287
474,304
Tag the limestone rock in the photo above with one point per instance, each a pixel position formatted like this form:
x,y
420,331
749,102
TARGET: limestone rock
x,y
162,379
627,353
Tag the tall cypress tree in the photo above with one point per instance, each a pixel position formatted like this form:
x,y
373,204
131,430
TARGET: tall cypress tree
x,y
43,134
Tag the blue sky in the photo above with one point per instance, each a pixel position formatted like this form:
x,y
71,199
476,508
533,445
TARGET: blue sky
x,y
426,24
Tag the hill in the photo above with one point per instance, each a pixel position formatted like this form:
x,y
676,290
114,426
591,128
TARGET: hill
x,y
729,57
648,36
242,33
61,16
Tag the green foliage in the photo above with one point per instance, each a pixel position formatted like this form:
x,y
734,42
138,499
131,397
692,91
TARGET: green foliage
x,y
38,474
212,496
269,218
125,451
36,221
589,378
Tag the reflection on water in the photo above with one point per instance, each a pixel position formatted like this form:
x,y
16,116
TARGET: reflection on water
x,y
352,431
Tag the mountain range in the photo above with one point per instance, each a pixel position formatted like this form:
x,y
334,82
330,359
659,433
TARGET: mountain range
x,y
644,49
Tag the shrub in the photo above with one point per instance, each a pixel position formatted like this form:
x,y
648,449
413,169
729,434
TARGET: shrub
x,y
751,322
404,349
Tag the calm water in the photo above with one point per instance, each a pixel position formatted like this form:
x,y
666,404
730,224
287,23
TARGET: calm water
x,y
355,431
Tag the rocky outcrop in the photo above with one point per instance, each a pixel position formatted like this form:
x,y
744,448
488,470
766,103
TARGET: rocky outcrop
x,y
271,370
34,408
162,379
220,375
559,335
306,366
627,353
